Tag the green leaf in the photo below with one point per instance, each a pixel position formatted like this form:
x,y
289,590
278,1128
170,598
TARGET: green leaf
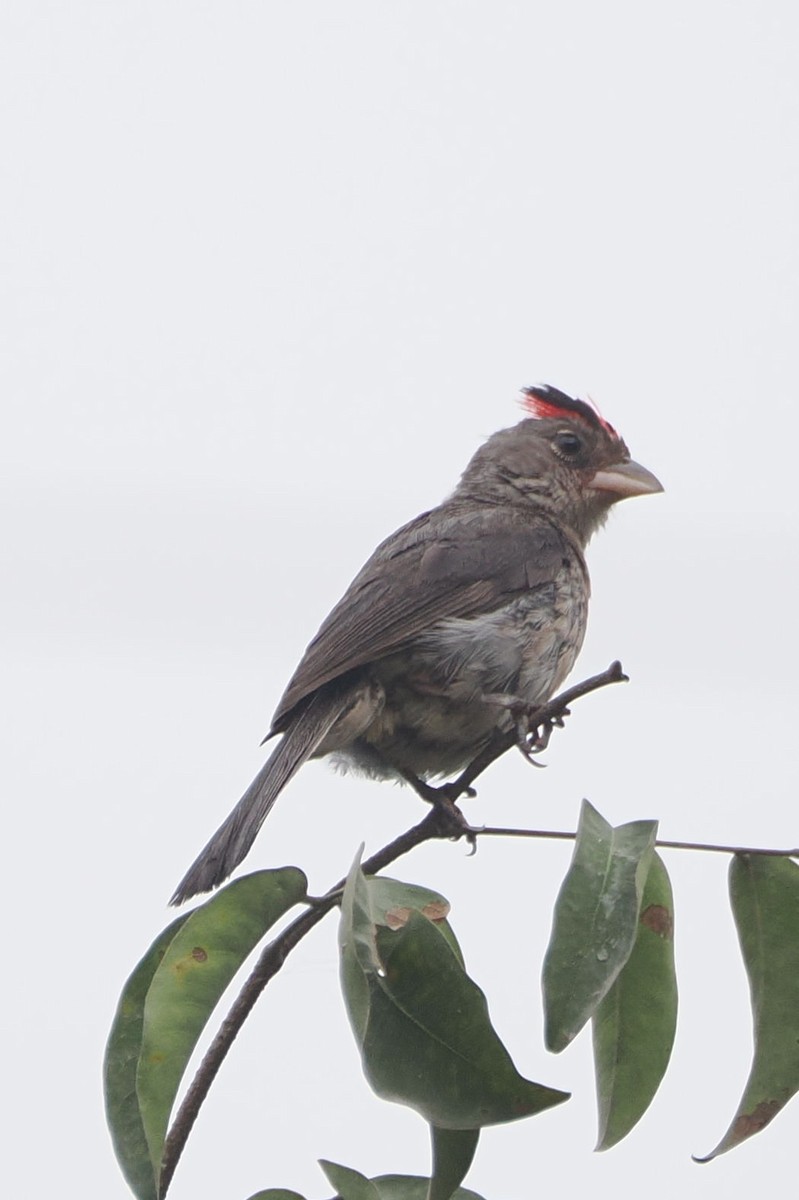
x,y
198,965
276,1194
413,1187
119,1072
635,1023
764,891
383,902
392,901
422,1025
595,921
349,1183
453,1152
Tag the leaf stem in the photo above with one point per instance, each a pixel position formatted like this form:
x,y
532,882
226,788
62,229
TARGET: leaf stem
x,y
567,835
271,960
437,824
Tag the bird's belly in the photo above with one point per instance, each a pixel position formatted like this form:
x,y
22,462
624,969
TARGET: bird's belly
x,y
441,692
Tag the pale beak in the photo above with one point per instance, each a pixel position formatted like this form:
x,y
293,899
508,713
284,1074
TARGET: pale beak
x,y
626,479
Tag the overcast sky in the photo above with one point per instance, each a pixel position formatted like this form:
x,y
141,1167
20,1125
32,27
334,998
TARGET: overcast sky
x,y
270,273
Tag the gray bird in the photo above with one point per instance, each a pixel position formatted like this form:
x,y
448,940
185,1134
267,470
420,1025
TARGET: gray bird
x,y
462,618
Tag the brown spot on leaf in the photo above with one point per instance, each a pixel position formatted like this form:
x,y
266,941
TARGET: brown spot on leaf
x,y
199,955
436,910
658,918
397,917
753,1122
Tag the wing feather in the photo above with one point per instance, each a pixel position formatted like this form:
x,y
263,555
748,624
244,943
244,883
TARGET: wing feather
x,y
446,563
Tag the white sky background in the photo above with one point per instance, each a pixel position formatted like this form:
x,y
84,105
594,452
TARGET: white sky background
x,y
270,273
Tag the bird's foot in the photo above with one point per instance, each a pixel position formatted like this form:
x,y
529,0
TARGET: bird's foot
x,y
532,732
446,817
534,737
450,821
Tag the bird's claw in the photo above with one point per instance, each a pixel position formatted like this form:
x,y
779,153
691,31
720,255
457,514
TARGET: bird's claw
x,y
533,734
527,751
451,822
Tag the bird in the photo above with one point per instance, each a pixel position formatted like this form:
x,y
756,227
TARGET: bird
x,y
463,618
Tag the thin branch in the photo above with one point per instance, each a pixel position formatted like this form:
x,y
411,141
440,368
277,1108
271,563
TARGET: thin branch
x,y
551,712
730,849
271,960
567,835
267,967
440,822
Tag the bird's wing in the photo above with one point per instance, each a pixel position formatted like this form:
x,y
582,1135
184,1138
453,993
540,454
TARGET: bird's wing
x,y
446,563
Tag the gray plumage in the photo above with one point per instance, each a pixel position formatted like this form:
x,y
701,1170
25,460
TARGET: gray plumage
x,y
473,606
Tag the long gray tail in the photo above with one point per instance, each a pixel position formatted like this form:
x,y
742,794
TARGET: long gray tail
x,y
234,837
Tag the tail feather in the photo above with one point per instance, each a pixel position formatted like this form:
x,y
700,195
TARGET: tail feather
x,y
232,841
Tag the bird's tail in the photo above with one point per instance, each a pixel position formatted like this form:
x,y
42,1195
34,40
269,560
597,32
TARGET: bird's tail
x,y
232,841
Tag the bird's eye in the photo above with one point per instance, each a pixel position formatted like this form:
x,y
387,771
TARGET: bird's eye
x,y
567,444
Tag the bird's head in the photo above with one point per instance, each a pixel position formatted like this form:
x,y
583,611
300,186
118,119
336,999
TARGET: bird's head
x,y
564,459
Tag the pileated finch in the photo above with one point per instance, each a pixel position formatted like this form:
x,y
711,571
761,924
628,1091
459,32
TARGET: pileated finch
x,y
459,619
